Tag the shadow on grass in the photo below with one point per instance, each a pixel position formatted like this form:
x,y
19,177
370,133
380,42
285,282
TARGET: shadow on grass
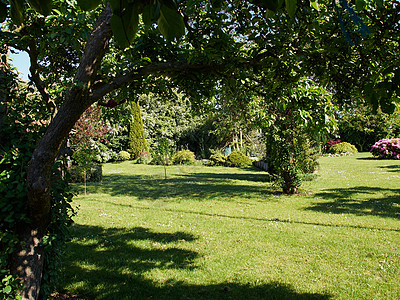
x,y
117,264
253,177
201,186
347,201
392,168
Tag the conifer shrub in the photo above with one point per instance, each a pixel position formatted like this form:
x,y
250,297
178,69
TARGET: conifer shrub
x,y
387,149
343,147
238,159
123,155
217,159
184,157
137,142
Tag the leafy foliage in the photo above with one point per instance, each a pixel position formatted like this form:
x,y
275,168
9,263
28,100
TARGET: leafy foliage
x,y
162,151
387,149
124,155
91,174
183,157
330,143
362,127
23,123
343,147
305,112
237,159
217,159
88,129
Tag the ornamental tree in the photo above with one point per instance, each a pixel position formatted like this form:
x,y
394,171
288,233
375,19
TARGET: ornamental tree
x,y
137,141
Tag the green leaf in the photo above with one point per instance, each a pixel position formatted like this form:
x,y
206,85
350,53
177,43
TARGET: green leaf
x,y
124,24
170,23
269,13
7,289
271,4
291,6
42,6
315,4
16,11
379,3
149,14
88,4
3,12
360,4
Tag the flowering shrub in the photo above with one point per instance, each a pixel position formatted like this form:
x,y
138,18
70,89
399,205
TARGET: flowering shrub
x,y
387,148
330,143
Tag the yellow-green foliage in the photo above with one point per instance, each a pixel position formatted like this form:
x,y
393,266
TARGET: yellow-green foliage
x,y
237,159
124,155
217,159
343,147
183,157
137,142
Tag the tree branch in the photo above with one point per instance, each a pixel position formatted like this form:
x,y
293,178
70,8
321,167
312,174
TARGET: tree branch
x,y
35,77
166,68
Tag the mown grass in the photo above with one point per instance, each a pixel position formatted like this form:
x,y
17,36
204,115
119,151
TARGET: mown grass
x,y
227,233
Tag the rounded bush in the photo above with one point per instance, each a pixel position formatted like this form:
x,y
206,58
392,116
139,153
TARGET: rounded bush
x,y
183,157
124,155
238,159
217,159
330,143
387,149
343,147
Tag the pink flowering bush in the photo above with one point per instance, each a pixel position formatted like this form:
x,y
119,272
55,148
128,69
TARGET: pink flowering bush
x,y
330,143
387,148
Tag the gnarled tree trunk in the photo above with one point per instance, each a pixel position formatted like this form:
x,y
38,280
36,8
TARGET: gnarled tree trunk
x,y
27,262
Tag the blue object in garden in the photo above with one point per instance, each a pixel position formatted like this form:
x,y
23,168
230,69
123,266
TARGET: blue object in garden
x,y
227,151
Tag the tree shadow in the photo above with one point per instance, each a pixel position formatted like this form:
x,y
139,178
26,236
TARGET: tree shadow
x,y
106,264
392,168
346,201
203,186
260,176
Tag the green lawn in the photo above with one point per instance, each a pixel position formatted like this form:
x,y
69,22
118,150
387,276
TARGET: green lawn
x,y
227,233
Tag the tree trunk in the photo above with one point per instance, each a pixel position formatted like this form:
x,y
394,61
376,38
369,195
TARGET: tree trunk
x,y
27,262
4,86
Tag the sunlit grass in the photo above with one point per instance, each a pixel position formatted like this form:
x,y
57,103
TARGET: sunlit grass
x,y
227,233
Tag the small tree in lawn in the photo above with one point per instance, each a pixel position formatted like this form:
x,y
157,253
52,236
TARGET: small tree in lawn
x,y
303,112
162,153
87,129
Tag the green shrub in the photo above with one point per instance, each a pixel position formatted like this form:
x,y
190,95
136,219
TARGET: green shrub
x,y
144,158
93,174
103,153
184,157
238,159
217,160
124,155
343,147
